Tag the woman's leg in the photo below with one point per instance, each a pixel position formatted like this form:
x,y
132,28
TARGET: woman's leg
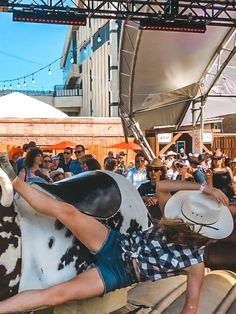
x,y
87,229
86,285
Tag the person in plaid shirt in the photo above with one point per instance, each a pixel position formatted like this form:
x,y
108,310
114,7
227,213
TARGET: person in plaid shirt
x,y
120,163
176,243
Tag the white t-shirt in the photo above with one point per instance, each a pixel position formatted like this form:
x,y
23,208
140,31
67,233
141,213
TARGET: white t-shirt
x,y
136,177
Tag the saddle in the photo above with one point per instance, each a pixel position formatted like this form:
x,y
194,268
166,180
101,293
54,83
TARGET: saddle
x,y
94,193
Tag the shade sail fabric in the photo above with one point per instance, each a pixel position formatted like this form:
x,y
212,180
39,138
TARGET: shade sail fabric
x,y
59,146
124,145
18,105
161,71
215,107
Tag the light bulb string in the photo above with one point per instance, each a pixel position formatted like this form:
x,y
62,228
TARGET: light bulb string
x,y
84,46
31,74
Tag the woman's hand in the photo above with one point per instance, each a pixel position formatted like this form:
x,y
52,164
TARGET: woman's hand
x,y
150,200
189,310
217,194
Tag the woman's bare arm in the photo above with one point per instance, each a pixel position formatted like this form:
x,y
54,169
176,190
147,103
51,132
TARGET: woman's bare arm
x,y
163,189
195,275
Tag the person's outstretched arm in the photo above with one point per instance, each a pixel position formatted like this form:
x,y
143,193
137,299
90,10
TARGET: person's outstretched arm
x,y
163,189
195,275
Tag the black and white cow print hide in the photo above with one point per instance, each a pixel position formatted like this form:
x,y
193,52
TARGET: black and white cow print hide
x,y
42,252
10,252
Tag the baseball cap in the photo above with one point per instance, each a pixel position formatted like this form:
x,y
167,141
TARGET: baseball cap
x,y
55,157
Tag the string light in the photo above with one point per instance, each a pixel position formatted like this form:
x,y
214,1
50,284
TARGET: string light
x,y
99,39
134,8
116,25
33,74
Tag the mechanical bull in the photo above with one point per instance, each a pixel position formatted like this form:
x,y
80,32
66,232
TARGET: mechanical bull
x,y
37,251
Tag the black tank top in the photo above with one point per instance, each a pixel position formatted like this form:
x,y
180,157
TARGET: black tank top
x,y
222,180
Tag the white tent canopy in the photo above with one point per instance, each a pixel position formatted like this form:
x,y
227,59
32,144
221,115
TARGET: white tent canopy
x,y
17,105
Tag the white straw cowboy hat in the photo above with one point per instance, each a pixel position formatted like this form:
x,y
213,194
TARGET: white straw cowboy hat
x,y
208,217
170,153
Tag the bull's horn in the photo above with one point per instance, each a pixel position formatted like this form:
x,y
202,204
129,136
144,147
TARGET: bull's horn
x,y
7,189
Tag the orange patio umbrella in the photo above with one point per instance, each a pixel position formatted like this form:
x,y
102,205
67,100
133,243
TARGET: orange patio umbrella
x,y
125,145
59,146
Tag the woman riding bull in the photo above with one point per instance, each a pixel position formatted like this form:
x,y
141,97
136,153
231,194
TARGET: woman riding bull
x,y
176,243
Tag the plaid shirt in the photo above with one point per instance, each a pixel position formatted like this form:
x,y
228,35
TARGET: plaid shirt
x,y
156,258
120,169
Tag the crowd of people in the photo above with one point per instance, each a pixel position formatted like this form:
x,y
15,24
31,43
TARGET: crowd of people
x,y
212,168
31,164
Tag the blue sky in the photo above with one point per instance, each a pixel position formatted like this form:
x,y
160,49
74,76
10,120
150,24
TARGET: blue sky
x,y
27,47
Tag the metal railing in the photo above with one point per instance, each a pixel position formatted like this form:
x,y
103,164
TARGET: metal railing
x,y
65,91
27,92
59,91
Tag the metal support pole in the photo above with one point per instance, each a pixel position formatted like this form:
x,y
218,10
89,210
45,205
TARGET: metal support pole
x,y
194,114
133,126
202,108
197,135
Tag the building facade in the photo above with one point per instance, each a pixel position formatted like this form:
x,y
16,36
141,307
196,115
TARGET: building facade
x,y
90,63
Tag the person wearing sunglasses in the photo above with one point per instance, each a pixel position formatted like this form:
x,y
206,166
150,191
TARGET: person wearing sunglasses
x,y
79,150
137,174
55,163
67,159
120,169
75,166
184,172
222,176
46,166
156,171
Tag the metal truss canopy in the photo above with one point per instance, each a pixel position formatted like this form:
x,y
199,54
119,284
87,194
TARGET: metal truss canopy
x,y
219,13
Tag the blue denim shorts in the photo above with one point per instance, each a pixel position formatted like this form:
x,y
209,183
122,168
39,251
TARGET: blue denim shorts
x,y
115,271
